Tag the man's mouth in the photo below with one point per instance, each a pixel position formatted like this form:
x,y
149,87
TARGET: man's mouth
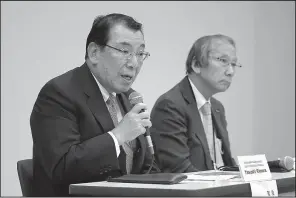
x,y
226,81
127,77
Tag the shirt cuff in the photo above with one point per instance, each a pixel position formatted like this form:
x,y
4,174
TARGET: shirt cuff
x,y
116,143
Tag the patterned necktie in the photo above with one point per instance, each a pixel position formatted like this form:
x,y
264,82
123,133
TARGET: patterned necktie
x,y
113,109
208,126
211,137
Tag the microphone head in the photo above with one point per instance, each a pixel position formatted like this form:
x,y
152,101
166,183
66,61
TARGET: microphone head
x,y
135,98
287,163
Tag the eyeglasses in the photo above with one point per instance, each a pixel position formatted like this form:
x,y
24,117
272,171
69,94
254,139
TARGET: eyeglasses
x,y
226,61
141,55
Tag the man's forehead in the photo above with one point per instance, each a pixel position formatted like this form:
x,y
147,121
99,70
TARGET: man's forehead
x,y
222,46
123,35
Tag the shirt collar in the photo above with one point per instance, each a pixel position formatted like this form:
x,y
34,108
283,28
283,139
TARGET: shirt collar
x,y
105,93
200,99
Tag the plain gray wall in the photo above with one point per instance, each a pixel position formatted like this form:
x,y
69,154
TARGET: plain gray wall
x,y
40,40
274,85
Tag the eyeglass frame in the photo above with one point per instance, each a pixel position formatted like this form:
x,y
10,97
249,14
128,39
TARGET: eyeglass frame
x,y
220,59
128,54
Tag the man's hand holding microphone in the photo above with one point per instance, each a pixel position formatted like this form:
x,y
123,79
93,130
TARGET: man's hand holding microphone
x,y
133,124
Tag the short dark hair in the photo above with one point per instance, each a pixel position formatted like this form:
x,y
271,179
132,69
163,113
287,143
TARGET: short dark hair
x,y
102,24
201,49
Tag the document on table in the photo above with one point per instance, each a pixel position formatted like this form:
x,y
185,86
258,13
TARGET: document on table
x,y
212,176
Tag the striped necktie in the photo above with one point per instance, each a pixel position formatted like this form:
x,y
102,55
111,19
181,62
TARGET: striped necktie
x,y
208,127
127,146
214,147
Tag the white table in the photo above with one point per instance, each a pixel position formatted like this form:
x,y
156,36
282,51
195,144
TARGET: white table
x,y
232,187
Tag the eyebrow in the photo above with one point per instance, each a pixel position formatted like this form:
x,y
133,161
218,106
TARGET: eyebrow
x,y
234,59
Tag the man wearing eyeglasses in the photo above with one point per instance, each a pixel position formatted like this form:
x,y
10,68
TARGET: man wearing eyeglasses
x,y
189,128
83,126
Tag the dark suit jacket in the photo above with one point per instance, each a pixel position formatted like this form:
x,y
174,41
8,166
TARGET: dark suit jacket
x,y
178,134
69,125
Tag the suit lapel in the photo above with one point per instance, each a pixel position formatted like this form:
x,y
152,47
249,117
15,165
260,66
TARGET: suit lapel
x,y
188,95
220,130
217,122
95,100
98,107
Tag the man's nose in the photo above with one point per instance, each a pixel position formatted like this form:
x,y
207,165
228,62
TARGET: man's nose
x,y
230,70
132,62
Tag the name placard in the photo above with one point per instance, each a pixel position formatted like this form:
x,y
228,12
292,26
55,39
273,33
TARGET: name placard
x,y
264,188
254,168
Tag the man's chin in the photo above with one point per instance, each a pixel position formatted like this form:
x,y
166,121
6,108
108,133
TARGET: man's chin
x,y
223,88
122,89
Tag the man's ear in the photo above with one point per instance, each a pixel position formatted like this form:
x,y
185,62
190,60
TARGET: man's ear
x,y
195,66
93,52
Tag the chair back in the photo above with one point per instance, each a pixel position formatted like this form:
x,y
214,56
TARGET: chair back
x,y
25,173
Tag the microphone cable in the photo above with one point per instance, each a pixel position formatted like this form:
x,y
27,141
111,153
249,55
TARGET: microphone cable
x,y
151,165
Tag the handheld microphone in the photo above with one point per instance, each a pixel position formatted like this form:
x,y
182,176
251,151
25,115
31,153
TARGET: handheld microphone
x,y
134,99
286,163
280,165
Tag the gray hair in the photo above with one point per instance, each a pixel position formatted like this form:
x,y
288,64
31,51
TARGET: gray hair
x,y
201,48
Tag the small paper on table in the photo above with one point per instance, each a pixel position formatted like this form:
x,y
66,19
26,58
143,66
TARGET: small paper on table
x,y
264,188
197,177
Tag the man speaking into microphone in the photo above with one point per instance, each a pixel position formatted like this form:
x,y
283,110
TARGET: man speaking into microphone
x,y
83,125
